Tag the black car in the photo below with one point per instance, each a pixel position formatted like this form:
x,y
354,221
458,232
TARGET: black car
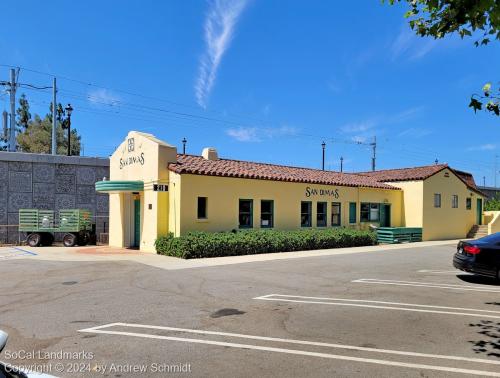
x,y
481,256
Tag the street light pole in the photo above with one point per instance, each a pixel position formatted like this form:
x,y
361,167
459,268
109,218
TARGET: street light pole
x,y
323,145
184,141
69,110
341,164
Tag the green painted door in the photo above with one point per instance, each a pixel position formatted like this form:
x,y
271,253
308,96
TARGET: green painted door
x,y
137,222
385,215
479,211
352,212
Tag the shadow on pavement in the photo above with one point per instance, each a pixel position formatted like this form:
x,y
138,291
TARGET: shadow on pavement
x,y
473,279
490,331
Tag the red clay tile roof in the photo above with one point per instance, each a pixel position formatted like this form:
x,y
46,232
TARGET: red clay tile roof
x,y
405,174
420,173
467,178
197,165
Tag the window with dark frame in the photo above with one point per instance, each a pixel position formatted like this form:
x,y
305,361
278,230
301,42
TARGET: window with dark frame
x,y
267,214
202,207
468,203
370,212
336,219
454,201
305,214
245,214
321,216
437,200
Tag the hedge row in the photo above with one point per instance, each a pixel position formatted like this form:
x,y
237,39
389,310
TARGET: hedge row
x,y
203,244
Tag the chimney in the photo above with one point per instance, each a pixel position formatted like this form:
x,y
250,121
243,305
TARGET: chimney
x,y
210,153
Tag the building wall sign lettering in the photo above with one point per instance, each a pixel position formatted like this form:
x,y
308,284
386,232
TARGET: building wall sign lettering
x,y
138,159
322,192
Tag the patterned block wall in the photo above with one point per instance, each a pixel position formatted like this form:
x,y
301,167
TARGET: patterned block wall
x,y
52,183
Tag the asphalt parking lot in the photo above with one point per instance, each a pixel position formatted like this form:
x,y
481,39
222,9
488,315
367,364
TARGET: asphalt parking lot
x,y
389,313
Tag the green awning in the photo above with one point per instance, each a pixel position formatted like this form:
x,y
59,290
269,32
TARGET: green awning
x,y
119,186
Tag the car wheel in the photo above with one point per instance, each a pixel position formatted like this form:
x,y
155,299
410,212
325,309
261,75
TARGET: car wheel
x,y
69,240
34,239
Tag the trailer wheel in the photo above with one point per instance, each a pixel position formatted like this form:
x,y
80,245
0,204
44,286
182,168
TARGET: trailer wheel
x,y
83,239
34,239
69,240
47,239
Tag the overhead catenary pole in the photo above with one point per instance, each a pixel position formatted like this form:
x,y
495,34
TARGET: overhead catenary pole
x,y
12,129
54,118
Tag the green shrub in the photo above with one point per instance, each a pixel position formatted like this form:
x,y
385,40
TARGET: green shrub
x,y
203,244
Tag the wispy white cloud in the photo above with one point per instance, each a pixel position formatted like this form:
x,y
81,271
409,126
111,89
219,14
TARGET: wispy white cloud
x,y
414,132
256,134
244,134
358,127
362,131
408,45
219,28
103,97
483,147
404,115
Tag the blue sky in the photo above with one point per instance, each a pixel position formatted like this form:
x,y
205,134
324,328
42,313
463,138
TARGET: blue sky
x,y
259,80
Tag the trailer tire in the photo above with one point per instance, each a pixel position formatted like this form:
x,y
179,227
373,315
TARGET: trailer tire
x,y
34,239
69,240
83,239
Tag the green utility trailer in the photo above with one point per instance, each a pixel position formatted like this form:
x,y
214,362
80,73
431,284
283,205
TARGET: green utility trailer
x,y
40,225
392,235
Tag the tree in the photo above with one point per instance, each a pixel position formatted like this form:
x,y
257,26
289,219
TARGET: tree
x,y
37,136
23,114
468,18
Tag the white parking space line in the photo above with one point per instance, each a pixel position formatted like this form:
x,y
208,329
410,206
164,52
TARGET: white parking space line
x,y
382,305
450,272
436,285
104,329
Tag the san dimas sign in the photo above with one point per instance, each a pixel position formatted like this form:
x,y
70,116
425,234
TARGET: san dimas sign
x,y
322,192
138,159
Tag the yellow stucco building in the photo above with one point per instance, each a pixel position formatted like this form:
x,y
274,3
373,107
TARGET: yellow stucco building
x,y
154,190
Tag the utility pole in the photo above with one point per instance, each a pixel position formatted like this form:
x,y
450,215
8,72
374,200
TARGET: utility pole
x,y
54,118
374,157
341,164
12,90
323,145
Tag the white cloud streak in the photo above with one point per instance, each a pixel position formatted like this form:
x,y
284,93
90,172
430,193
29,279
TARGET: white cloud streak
x,y
103,97
219,28
256,134
483,147
410,46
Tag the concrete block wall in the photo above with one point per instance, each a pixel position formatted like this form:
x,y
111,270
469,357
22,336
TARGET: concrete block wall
x,y
49,182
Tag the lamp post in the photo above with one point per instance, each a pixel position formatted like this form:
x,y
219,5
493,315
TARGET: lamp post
x,y
341,164
323,145
184,141
69,110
